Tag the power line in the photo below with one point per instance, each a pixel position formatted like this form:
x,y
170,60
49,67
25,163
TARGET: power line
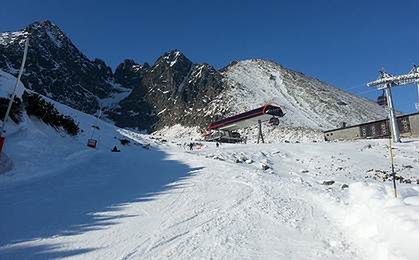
x,y
362,85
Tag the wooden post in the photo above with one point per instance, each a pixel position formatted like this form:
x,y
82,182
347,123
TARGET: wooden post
x,y
392,168
260,135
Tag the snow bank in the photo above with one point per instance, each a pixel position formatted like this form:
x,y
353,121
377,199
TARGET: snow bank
x,y
386,227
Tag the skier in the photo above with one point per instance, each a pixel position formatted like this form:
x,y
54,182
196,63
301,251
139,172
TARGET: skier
x,y
217,144
191,146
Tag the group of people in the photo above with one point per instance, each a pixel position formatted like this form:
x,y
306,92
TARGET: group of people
x,y
190,146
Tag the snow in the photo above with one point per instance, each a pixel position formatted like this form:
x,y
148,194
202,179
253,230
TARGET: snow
x,y
387,228
157,200
7,84
7,38
161,112
307,102
119,94
281,134
172,59
179,132
55,38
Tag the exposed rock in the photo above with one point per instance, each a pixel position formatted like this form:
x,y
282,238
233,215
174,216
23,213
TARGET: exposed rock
x,y
55,67
408,181
264,166
129,73
172,91
328,182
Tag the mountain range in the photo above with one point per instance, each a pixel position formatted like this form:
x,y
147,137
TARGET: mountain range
x,y
174,90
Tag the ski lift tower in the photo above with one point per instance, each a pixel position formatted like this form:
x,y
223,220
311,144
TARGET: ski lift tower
x,y
385,82
415,69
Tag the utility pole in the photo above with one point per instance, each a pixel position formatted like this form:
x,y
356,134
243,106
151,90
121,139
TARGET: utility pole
x,y
417,103
12,98
387,81
415,69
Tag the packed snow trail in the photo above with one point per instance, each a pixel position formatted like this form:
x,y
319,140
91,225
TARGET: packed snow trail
x,y
226,211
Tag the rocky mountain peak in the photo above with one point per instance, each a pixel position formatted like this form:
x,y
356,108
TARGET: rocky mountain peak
x,y
44,25
55,67
47,30
173,58
129,73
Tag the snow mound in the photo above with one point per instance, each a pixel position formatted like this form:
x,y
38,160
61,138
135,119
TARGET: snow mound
x,y
386,227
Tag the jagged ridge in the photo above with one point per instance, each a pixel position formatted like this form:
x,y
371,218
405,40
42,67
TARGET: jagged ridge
x,y
174,90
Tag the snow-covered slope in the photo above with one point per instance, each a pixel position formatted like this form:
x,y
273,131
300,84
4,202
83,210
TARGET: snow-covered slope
x,y
36,149
306,101
168,203
7,84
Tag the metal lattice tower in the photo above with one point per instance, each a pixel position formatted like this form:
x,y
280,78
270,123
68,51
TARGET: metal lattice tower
x,y
385,82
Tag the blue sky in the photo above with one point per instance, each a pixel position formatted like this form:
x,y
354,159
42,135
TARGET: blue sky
x,y
341,42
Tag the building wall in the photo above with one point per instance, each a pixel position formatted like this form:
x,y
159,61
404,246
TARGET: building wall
x,y
377,129
349,133
414,125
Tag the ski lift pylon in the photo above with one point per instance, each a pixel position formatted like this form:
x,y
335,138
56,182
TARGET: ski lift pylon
x,y
382,100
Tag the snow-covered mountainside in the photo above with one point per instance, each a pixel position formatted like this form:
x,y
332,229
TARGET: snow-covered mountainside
x,y
307,102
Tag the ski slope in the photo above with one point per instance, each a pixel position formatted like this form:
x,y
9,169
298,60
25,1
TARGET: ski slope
x,y
166,202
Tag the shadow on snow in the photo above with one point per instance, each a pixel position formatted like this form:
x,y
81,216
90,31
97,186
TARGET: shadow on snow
x,y
66,203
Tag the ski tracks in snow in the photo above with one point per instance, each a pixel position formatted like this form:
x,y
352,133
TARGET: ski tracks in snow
x,y
233,211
